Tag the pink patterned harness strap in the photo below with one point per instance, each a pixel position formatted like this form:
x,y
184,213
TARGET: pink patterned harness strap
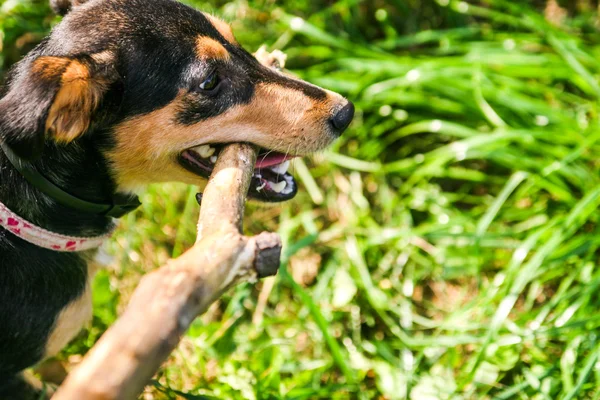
x,y
44,238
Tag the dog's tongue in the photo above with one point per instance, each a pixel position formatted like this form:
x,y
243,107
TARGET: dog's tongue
x,y
268,160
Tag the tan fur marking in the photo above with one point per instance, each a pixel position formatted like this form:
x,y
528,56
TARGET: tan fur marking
x,y
49,67
76,100
72,318
207,48
278,118
223,28
78,96
75,71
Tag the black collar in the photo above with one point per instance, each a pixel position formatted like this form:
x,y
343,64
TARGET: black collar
x,y
121,204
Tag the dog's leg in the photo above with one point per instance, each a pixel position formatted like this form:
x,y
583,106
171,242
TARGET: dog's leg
x,y
35,324
25,386
70,321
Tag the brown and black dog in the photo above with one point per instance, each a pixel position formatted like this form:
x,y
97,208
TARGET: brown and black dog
x,y
124,93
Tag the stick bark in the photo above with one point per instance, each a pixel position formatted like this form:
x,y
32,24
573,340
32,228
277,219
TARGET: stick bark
x,y
167,300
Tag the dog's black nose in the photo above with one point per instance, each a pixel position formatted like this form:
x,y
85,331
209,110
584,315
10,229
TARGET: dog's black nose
x,y
342,118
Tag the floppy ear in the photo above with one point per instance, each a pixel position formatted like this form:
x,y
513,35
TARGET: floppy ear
x,y
53,98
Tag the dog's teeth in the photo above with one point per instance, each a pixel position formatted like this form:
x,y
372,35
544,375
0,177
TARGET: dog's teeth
x,y
205,151
261,187
278,187
281,168
213,159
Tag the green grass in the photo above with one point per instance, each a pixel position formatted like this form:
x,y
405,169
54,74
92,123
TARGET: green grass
x,y
444,248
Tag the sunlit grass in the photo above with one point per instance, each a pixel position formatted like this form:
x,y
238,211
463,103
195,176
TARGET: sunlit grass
x,y
445,247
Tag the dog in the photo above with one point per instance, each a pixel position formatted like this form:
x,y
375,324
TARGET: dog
x,y
124,93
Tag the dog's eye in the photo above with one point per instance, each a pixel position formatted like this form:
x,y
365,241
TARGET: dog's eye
x,y
210,82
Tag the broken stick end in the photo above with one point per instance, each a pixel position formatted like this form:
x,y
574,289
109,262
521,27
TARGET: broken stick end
x,y
268,254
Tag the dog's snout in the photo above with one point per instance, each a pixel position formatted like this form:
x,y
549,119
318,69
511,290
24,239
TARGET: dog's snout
x,y
342,118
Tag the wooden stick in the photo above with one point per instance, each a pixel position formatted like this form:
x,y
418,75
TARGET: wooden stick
x,y
168,299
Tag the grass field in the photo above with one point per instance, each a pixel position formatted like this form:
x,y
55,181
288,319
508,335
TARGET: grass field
x,y
445,248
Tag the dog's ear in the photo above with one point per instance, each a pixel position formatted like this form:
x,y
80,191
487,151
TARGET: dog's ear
x,y
53,98
62,7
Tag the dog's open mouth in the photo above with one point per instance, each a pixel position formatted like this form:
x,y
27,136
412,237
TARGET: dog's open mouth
x,y
270,182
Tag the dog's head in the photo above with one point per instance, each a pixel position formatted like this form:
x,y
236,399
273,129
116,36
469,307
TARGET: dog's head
x,y
159,88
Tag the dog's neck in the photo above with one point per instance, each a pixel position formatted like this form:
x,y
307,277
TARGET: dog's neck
x,y
80,169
